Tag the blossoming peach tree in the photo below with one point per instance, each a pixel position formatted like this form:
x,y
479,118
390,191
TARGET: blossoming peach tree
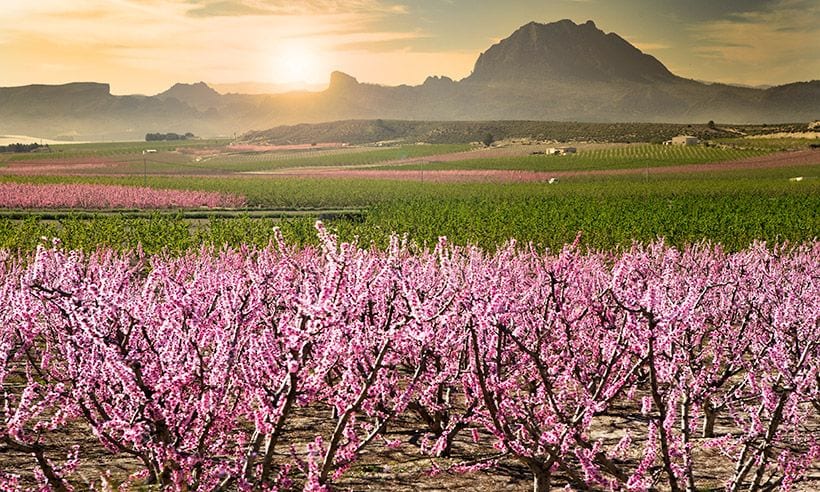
x,y
630,371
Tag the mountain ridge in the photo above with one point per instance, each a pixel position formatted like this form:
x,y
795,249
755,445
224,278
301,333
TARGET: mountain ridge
x,y
559,71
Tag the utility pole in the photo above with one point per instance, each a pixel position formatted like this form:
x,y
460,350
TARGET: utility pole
x,y
144,171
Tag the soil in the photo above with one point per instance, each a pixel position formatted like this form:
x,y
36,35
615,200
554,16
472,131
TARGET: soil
x,y
390,469
59,166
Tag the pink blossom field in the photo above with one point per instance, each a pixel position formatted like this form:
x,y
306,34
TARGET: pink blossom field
x,y
94,196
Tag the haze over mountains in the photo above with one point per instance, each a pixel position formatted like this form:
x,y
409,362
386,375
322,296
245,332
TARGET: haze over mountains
x,y
560,71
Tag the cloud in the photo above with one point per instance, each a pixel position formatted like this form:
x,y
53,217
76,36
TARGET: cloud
x,y
146,45
775,43
222,8
647,46
786,30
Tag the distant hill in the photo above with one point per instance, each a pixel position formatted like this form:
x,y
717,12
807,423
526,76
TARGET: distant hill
x,y
88,111
369,131
198,95
559,71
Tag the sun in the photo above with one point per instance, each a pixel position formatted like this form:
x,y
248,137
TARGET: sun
x,y
297,63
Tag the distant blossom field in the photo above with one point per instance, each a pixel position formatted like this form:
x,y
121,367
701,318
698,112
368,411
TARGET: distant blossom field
x,y
26,195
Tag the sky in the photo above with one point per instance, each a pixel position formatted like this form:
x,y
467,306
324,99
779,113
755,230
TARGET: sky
x,y
145,46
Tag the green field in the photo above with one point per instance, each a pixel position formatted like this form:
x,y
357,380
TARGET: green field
x,y
729,208
355,156
733,207
622,157
114,149
771,144
128,158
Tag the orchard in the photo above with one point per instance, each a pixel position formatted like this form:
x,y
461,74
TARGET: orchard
x,y
652,368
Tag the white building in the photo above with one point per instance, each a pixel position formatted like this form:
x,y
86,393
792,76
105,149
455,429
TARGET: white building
x,y
561,150
683,140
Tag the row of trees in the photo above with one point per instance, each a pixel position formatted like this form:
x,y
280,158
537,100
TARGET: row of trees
x,y
158,137
649,369
21,147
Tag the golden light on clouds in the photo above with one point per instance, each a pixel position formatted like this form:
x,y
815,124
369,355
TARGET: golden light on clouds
x,y
144,46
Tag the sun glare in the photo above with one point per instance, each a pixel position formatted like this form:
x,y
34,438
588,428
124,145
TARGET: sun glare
x,y
297,63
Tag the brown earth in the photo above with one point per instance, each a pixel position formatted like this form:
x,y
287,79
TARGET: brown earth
x,y
382,468
59,166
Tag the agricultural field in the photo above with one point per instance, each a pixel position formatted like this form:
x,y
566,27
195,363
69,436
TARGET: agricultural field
x,y
613,157
782,143
204,344
204,158
115,149
613,195
92,196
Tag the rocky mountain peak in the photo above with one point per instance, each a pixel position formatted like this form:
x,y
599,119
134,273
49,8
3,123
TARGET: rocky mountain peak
x,y
564,50
341,80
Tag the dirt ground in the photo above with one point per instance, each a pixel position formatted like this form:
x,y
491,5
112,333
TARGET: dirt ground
x,y
402,469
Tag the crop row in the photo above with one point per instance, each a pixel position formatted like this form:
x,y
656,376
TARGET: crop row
x,y
656,367
773,144
348,157
621,157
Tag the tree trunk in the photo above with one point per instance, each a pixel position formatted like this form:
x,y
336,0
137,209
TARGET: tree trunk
x,y
541,477
709,418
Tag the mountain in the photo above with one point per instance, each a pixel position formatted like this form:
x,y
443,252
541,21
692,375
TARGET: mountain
x,y
198,95
88,111
559,71
569,52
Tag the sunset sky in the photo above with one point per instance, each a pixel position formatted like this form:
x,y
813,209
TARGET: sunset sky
x,y
144,46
